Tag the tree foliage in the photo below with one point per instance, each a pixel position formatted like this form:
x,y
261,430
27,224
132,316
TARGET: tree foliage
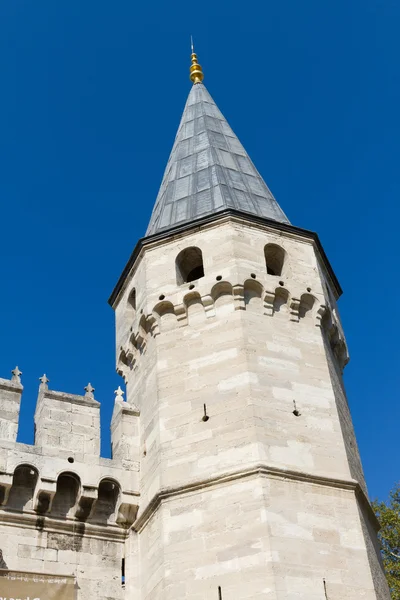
x,y
388,514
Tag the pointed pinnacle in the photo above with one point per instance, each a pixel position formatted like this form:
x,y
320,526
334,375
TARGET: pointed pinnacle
x,y
44,380
89,390
16,375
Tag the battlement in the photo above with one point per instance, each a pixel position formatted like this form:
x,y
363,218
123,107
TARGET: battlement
x,y
62,474
68,422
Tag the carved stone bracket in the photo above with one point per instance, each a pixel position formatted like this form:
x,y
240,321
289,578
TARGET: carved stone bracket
x,y
320,315
5,487
238,297
86,502
269,297
152,325
127,510
208,304
181,314
294,309
44,495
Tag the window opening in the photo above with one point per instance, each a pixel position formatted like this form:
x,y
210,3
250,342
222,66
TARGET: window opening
x,y
189,265
274,259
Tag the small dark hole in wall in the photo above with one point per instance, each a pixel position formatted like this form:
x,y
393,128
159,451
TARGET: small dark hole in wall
x,y
308,289
161,297
253,275
296,412
191,287
71,459
218,277
281,283
205,416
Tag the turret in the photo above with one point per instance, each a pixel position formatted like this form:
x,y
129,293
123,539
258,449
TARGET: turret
x,y
231,348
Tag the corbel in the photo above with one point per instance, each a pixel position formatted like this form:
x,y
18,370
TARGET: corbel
x,y
208,304
86,502
181,315
127,510
238,297
294,309
269,298
44,495
5,487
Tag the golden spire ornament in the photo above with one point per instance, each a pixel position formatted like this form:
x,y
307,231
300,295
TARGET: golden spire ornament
x,y
196,72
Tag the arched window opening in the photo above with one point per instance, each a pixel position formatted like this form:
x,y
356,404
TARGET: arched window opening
x,y
131,305
66,495
274,259
23,487
106,503
189,265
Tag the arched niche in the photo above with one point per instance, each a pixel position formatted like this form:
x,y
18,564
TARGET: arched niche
x,y
164,312
253,295
189,265
131,304
307,302
66,496
281,300
106,504
23,488
194,308
222,294
274,259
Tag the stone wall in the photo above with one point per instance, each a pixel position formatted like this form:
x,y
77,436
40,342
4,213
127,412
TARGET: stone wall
x,y
64,509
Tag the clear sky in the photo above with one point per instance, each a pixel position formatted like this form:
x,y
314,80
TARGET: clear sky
x,y
91,97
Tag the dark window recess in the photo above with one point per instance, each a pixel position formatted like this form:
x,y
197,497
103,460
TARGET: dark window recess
x,y
189,265
274,259
132,300
195,273
123,572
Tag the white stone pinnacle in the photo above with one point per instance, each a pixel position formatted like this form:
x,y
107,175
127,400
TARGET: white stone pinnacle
x,y
16,375
89,390
44,380
119,393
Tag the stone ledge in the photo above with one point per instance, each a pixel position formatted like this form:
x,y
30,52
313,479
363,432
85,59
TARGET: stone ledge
x,y
11,386
73,398
258,470
31,520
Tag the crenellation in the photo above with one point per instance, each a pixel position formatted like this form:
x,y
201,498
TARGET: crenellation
x,y
67,421
10,403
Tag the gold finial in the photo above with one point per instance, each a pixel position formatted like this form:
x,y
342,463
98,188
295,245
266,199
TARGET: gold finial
x,y
196,72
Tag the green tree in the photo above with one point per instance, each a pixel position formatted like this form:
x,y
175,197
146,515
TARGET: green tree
x,y
388,514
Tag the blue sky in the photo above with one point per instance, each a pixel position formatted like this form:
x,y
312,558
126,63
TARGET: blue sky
x,y
91,96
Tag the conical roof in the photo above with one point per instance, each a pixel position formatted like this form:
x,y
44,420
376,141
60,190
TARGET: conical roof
x,y
209,171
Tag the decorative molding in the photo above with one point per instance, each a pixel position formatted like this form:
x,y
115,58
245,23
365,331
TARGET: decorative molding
x,y
254,471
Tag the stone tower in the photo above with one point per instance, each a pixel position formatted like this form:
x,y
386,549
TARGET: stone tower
x,y
231,347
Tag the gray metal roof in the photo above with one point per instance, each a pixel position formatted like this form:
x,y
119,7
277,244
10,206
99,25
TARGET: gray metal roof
x,y
209,171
